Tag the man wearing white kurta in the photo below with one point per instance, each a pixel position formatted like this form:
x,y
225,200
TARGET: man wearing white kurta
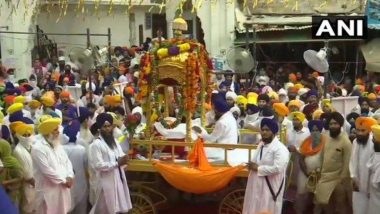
x,y
78,157
108,159
53,171
266,181
25,136
225,131
374,166
362,151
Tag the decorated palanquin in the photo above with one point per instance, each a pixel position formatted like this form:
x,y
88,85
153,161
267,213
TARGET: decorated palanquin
x,y
174,85
174,81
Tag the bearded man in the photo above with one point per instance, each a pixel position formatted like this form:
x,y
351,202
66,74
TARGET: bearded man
x,y
310,164
266,181
362,150
107,159
333,191
374,165
53,172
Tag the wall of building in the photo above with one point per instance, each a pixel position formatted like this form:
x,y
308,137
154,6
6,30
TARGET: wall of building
x,y
217,20
118,22
16,48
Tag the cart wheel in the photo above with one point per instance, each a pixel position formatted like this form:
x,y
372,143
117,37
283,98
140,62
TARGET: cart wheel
x,y
141,204
232,203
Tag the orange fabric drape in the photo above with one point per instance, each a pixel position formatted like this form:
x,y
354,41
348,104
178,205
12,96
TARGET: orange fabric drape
x,y
307,149
200,177
197,157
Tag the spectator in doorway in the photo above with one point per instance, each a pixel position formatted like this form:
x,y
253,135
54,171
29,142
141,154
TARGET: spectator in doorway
x,y
229,83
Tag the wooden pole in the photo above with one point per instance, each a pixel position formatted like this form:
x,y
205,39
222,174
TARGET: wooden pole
x,y
109,46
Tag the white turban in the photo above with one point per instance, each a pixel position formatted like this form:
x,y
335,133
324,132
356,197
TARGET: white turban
x,y
282,92
232,95
288,85
303,91
235,109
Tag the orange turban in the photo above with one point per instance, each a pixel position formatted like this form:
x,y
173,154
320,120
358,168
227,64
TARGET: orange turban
x,y
315,74
365,123
129,90
9,99
65,94
281,109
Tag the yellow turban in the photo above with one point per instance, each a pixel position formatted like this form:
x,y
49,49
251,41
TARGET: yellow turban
x,y
1,117
376,133
252,98
13,126
20,99
365,123
296,103
326,102
22,129
47,101
15,108
273,95
47,126
241,100
281,109
371,96
317,114
297,115
298,86
34,104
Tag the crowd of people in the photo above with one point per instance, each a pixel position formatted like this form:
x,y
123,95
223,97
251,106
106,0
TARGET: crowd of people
x,y
64,155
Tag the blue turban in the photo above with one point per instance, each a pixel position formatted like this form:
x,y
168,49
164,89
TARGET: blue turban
x,y
271,124
71,130
102,118
312,92
318,123
267,112
94,129
221,105
5,133
84,114
252,107
17,116
27,121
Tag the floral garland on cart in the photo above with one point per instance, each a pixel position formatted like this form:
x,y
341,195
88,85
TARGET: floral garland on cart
x,y
195,59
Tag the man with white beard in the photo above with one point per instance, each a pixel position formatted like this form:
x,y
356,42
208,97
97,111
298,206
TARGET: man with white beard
x,y
266,181
362,151
108,159
53,171
25,136
374,165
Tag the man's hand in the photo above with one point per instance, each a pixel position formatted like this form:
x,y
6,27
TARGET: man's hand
x,y
355,186
292,148
197,129
69,182
252,166
123,160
